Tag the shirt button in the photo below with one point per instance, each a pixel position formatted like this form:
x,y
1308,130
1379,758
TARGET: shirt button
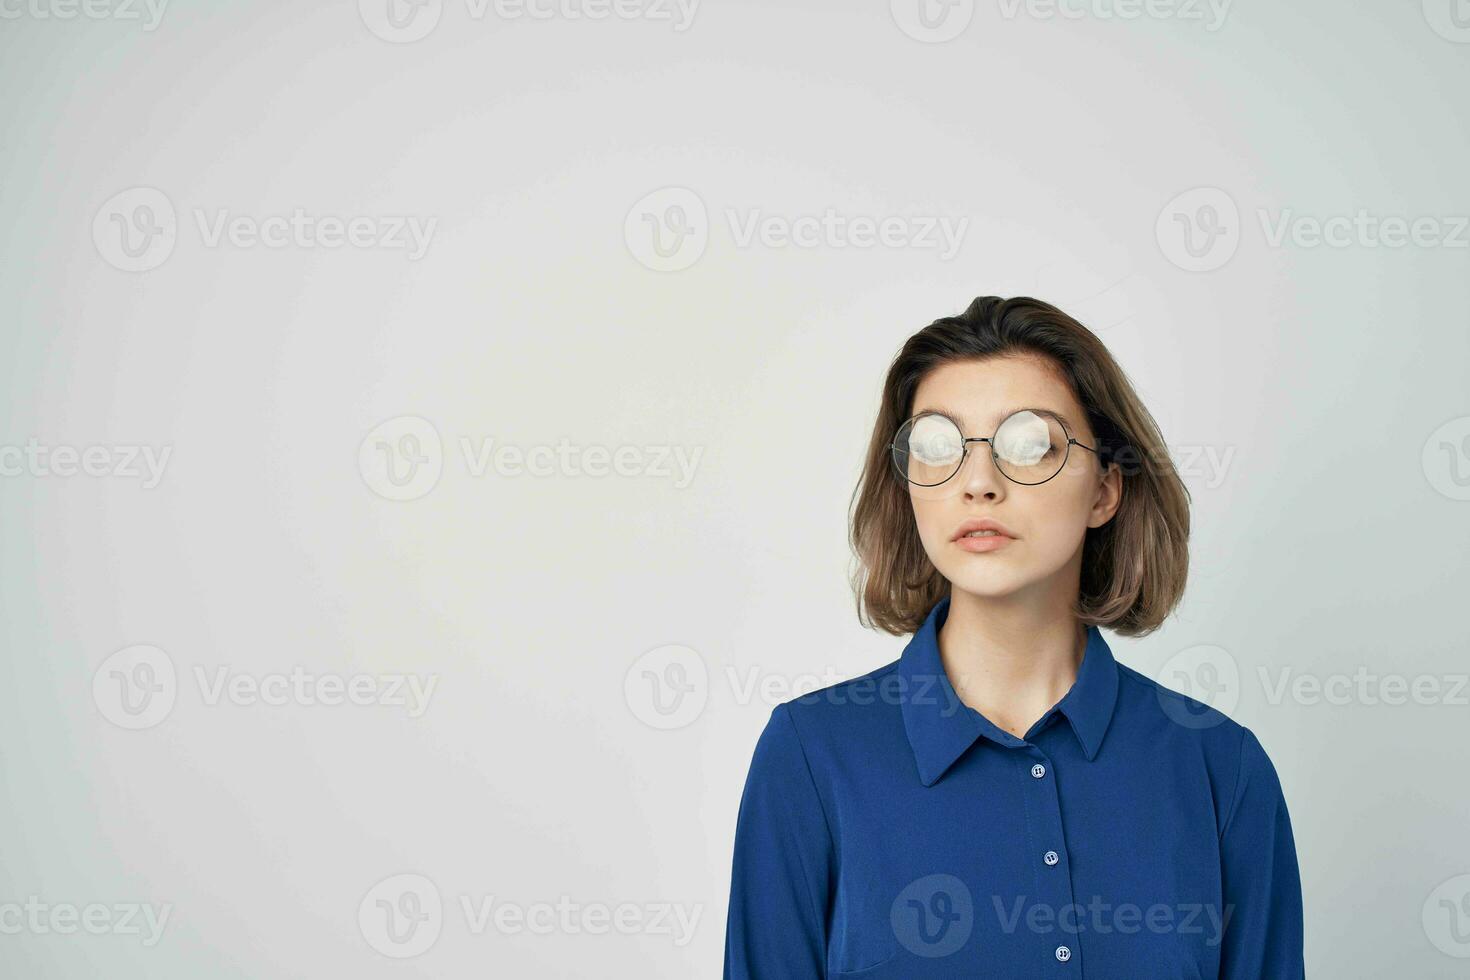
x,y
1038,770
1063,954
1051,858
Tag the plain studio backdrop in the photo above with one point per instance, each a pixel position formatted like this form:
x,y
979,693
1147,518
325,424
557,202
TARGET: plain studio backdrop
x,y
429,430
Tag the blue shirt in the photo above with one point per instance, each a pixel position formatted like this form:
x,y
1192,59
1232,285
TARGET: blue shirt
x,y
887,831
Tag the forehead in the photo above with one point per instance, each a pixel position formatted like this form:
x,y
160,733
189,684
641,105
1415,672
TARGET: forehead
x,y
979,393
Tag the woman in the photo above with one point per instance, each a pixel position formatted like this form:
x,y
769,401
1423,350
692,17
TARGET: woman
x,y
1005,800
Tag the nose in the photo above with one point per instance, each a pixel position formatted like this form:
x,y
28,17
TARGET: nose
x,y
979,477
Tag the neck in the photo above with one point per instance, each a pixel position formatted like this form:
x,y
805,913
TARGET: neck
x,y
1011,658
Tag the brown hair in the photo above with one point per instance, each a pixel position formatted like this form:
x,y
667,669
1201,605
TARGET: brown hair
x,y
1133,567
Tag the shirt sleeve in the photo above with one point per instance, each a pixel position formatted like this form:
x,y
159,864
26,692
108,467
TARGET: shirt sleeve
x,y
780,882
1262,884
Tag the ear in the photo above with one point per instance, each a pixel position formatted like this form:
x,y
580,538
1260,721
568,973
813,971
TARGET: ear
x,y
1109,496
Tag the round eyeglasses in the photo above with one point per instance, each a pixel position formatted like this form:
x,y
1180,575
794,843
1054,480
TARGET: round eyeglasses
x,y
1029,447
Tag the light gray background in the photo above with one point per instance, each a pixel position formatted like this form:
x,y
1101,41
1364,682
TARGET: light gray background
x,y
1317,397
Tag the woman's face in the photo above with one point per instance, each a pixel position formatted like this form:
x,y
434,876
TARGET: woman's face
x,y
1047,522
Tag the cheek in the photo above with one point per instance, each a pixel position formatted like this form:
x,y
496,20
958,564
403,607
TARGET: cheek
x,y
1059,521
931,517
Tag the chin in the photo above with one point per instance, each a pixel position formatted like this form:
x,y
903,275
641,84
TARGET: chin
x,y
990,583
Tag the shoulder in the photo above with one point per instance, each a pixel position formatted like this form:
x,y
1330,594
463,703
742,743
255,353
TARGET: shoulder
x,y
856,702
844,723
1180,725
1151,703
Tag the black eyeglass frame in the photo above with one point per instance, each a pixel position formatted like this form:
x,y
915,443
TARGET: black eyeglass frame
x,y
893,449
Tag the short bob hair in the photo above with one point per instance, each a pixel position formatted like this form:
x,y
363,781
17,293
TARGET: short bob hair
x,y
1133,568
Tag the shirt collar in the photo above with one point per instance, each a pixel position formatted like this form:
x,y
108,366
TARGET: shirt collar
x,y
941,727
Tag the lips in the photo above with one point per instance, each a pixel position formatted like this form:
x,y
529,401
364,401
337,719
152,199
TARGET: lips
x,y
982,524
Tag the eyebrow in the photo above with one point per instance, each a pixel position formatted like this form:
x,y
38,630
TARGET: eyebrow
x,y
956,416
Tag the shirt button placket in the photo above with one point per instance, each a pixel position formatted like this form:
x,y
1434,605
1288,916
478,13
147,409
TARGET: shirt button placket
x,y
1061,943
